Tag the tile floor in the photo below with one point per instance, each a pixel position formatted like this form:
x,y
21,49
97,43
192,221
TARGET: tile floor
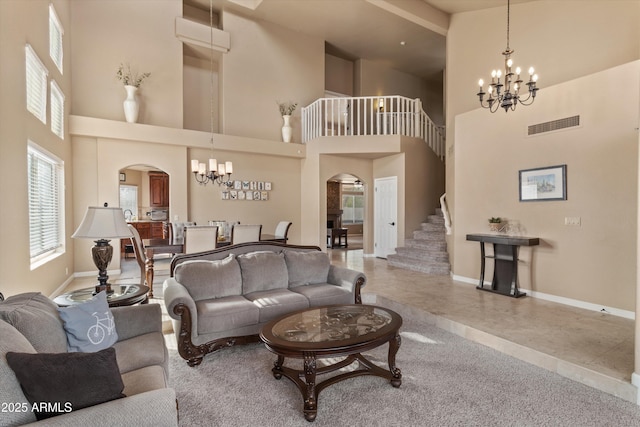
x,y
594,348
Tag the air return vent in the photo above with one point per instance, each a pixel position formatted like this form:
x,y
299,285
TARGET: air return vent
x,y
553,125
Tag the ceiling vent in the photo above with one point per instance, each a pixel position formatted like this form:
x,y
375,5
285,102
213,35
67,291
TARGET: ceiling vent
x,y
568,122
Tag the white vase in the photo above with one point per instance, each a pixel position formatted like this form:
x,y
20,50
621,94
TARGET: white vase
x,y
286,129
131,107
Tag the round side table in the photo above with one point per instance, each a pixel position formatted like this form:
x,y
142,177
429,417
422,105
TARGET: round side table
x,y
122,295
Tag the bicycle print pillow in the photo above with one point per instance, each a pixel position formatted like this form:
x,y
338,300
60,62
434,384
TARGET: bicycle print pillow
x,y
89,326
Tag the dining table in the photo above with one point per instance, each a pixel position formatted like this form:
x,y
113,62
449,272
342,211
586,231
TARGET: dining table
x,y
153,247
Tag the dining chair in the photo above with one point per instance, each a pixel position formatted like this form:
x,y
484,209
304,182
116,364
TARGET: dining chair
x,y
282,230
245,233
177,232
138,250
200,238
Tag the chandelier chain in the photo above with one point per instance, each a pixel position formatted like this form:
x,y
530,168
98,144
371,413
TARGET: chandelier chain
x,y
508,19
219,172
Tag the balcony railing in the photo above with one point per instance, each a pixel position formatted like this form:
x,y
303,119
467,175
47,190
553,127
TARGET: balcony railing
x,y
370,115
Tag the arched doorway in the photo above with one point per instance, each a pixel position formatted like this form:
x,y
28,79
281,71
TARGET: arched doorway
x,y
144,199
345,211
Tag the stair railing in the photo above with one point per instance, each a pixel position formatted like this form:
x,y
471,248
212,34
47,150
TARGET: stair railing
x,y
371,115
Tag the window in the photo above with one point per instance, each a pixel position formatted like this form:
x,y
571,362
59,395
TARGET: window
x,y
46,207
57,110
352,204
55,38
129,201
36,85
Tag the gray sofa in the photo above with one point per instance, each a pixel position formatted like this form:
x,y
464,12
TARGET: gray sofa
x,y
31,324
222,297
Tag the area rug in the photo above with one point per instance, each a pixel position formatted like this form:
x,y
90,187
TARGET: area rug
x,y
446,381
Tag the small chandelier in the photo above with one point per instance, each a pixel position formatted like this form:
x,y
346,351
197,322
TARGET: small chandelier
x,y
510,96
219,173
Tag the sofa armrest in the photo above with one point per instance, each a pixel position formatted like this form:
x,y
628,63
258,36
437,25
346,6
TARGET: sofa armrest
x,y
175,293
152,408
347,278
137,320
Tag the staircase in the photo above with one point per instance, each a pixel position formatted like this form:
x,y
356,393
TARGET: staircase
x,y
427,251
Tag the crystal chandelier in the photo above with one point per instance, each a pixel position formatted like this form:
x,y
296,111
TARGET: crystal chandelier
x,y
219,172
506,94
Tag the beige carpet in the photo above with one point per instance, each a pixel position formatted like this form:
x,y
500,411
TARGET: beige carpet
x,y
447,381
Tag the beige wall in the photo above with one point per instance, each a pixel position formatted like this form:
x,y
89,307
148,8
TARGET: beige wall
x,y
206,204
198,85
338,75
106,33
267,64
373,79
578,39
20,23
595,262
424,183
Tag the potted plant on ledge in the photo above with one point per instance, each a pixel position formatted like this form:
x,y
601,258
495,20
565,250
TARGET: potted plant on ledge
x,y
132,81
495,223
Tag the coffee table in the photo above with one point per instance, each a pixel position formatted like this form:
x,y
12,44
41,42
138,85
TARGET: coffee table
x,y
332,331
122,295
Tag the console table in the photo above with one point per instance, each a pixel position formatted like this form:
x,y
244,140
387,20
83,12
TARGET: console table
x,y
505,256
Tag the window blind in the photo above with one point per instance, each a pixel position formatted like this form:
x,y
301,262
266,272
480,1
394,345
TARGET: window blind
x,y
57,110
45,207
55,38
36,85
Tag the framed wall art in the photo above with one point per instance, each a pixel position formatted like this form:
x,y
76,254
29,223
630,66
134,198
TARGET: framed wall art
x,y
543,184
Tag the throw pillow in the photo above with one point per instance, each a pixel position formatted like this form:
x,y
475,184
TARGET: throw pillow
x,y
89,326
210,279
36,317
307,268
56,383
262,271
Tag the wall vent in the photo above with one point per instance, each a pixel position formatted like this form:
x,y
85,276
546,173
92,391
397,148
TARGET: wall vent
x,y
553,125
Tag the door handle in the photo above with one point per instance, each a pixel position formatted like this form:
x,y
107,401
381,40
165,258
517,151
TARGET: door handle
x,y
392,223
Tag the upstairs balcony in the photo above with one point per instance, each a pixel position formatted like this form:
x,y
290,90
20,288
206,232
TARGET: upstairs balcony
x,y
371,115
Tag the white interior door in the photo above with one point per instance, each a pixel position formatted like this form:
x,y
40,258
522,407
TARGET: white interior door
x,y
385,214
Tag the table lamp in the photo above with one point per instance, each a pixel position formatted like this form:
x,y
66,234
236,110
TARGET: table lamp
x,y
102,224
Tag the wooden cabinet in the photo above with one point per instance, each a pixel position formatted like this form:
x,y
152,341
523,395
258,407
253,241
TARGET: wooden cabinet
x,y
156,230
158,189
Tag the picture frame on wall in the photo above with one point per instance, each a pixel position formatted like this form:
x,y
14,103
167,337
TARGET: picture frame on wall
x,y
543,184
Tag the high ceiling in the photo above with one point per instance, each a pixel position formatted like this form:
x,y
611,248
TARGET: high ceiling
x,y
409,39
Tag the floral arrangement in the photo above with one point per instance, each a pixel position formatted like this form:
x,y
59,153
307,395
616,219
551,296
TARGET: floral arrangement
x,y
495,220
130,78
287,108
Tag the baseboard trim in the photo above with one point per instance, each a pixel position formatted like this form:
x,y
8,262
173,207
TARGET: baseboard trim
x,y
560,300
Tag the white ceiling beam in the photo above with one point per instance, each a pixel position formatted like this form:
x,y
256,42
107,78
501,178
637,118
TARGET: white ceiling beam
x,y
418,12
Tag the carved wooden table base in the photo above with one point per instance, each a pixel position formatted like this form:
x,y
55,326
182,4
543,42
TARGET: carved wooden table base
x,y
334,331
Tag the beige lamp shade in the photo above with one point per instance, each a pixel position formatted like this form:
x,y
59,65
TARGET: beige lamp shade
x,y
103,223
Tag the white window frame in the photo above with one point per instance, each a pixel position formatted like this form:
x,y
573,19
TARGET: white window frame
x,y
56,32
57,110
36,82
349,214
46,205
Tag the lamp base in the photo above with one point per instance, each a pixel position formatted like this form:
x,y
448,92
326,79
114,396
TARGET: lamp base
x,y
99,288
102,253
